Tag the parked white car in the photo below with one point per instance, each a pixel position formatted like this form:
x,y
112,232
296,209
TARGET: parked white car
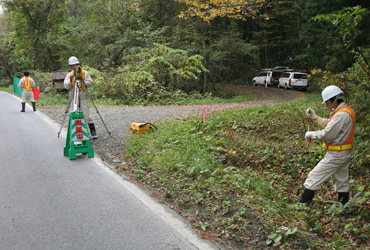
x,y
260,79
293,80
270,77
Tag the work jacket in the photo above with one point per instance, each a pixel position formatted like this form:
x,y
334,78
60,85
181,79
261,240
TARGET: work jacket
x,y
349,143
338,133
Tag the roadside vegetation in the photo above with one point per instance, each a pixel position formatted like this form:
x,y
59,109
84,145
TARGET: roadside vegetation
x,y
221,94
237,178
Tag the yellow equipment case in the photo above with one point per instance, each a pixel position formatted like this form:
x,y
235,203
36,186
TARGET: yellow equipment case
x,y
141,127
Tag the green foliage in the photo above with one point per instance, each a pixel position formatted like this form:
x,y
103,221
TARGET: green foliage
x,y
102,33
278,235
347,21
6,52
323,51
350,22
8,89
37,25
169,67
54,100
151,75
232,59
42,80
204,226
226,180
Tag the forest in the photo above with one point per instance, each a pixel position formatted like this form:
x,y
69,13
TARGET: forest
x,y
157,51
161,46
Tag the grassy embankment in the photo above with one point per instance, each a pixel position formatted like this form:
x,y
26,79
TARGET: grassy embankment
x,y
61,100
241,185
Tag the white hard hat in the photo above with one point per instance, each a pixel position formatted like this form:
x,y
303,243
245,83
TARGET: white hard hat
x,y
330,92
73,60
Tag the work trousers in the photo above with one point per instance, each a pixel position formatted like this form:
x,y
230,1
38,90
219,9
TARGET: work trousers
x,y
335,164
84,105
27,94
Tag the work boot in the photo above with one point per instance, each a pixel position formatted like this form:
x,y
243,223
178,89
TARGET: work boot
x,y
93,131
23,107
343,198
306,196
34,106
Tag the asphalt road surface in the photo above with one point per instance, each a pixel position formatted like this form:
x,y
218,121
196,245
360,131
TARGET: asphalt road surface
x,y
50,202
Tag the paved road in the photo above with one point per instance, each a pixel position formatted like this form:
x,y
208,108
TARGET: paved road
x,y
50,202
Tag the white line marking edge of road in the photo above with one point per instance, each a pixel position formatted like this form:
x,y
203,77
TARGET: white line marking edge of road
x,y
182,226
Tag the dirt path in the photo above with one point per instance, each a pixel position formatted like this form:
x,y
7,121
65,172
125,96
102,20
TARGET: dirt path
x,y
119,118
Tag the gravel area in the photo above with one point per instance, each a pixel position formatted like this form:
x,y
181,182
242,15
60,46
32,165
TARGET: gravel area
x,y
119,118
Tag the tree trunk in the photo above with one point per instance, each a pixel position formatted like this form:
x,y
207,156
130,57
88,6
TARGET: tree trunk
x,y
205,65
11,80
205,80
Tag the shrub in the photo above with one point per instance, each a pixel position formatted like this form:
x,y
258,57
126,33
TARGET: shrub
x,y
151,74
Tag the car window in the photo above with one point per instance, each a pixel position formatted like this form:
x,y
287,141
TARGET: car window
x,y
300,76
285,75
262,74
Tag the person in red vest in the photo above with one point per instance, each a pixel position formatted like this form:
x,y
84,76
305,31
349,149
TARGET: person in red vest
x,y
337,136
84,103
27,84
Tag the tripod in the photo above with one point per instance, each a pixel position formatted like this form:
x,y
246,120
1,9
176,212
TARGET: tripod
x,y
75,95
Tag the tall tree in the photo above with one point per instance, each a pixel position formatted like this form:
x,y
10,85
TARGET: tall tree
x,y
213,13
102,32
37,25
323,47
353,26
6,49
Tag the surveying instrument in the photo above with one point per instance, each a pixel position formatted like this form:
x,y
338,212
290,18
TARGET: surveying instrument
x,y
77,140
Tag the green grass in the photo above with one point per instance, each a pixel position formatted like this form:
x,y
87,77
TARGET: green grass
x,y
7,89
236,182
61,99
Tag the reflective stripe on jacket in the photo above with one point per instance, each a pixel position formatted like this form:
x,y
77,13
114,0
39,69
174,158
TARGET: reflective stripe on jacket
x,y
349,143
27,85
73,80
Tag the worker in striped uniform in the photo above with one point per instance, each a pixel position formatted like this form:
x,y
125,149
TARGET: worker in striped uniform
x,y
337,136
27,84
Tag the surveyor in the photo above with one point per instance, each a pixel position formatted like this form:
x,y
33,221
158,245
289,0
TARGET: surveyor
x,y
27,84
69,82
337,136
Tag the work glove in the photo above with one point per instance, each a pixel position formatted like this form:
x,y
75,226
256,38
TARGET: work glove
x,y
309,136
311,113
